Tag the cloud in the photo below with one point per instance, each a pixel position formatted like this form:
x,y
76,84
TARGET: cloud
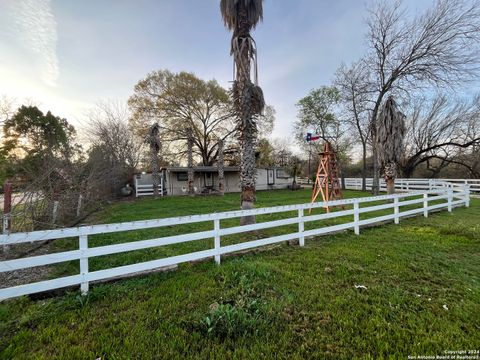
x,y
34,28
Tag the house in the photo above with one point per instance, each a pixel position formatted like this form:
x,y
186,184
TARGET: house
x,y
174,180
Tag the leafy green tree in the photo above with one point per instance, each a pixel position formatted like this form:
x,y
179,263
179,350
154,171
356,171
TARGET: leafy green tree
x,y
36,133
265,153
34,139
316,112
178,102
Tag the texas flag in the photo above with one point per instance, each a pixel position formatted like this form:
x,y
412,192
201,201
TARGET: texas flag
x,y
312,137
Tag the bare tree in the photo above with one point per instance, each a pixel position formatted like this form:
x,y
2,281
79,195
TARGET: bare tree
x,y
114,150
7,108
355,90
439,47
440,132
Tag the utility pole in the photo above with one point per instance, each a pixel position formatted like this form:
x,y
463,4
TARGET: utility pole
x,y
309,156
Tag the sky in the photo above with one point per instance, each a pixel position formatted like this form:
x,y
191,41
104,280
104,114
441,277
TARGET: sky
x,y
68,55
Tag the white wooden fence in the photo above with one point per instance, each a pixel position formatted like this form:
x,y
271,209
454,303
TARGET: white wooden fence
x,y
147,189
415,184
449,197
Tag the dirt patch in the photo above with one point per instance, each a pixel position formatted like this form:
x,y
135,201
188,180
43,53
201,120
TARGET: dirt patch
x,y
23,276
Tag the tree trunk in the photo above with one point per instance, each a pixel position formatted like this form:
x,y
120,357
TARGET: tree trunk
x,y
247,175
221,172
191,190
364,167
390,185
376,174
154,164
376,168
390,175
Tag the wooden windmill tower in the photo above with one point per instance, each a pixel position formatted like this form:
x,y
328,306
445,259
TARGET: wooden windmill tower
x,y
326,181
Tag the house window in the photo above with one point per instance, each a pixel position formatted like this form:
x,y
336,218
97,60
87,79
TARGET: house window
x,y
282,174
182,176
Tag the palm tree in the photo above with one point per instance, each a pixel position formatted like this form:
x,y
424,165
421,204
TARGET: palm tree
x,y
191,189
221,172
241,16
153,141
390,129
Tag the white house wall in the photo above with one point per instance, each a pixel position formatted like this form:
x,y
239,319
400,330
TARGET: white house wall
x,y
232,182
279,182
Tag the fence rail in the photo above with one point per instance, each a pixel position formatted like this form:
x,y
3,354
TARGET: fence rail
x,y
415,184
450,197
144,190
147,189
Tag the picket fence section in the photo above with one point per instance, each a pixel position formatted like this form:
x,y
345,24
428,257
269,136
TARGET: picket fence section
x,y
450,197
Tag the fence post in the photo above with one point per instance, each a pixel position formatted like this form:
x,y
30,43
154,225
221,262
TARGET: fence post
x,y
7,207
6,223
450,198
55,212
467,195
425,205
356,217
83,242
79,205
396,211
216,228
7,212
301,228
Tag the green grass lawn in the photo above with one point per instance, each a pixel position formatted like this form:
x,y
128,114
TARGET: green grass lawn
x,y
422,293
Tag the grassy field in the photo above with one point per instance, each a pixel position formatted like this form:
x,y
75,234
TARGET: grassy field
x,y
421,295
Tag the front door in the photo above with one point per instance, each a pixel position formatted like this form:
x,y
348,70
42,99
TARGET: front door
x,y
208,180
270,177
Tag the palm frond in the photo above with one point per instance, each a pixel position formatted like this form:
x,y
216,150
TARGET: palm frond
x,y
390,134
230,10
153,137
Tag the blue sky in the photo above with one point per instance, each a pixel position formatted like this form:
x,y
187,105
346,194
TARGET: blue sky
x,y
66,55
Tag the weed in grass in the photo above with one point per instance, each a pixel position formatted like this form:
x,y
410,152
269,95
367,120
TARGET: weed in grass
x,y
227,321
245,306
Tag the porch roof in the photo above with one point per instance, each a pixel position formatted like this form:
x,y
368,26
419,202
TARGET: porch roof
x,y
201,169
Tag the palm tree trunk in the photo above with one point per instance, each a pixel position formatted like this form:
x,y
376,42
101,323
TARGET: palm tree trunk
x,y
248,129
221,172
390,175
154,165
247,174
